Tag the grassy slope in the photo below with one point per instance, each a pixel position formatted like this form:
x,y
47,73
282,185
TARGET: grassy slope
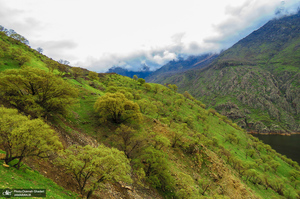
x,y
190,170
180,160
26,178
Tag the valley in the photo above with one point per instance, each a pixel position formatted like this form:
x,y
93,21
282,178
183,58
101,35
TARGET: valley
x,y
180,132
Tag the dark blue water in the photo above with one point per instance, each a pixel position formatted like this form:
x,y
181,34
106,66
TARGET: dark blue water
x,y
286,145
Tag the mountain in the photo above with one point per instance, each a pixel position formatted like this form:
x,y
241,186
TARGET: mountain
x,y
256,82
121,138
181,65
142,73
172,67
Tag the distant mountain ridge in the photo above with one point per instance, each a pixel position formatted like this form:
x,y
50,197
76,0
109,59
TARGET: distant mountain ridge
x,y
172,67
181,65
256,82
142,73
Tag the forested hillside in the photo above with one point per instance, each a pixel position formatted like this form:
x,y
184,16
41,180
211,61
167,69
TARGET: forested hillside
x,y
110,136
255,82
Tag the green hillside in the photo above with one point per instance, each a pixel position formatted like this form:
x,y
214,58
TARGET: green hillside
x,y
136,139
255,82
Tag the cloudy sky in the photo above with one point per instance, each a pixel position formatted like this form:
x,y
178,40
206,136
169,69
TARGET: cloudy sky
x,y
99,34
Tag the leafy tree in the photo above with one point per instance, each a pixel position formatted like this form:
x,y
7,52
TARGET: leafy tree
x,y
2,29
178,134
112,89
62,69
51,64
204,185
232,138
136,96
22,59
252,175
156,167
200,104
141,81
92,167
212,111
156,88
116,107
93,75
250,153
265,158
22,137
159,141
147,107
127,139
258,161
201,116
179,102
64,62
16,36
160,108
265,180
40,50
173,87
128,95
76,71
135,77
266,167
4,46
18,55
147,86
294,173
36,92
188,96
274,165
184,186
277,185
189,121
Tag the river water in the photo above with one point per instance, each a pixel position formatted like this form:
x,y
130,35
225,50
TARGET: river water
x,y
286,145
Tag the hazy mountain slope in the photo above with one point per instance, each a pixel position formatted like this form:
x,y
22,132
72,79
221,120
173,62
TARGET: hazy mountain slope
x,y
143,73
170,68
257,81
181,65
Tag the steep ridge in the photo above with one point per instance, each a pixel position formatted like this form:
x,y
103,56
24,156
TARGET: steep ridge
x,y
256,82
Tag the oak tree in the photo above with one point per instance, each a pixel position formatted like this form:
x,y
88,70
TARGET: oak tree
x,y
127,139
117,108
51,64
147,107
36,92
93,75
22,137
92,167
135,77
141,81
156,166
76,71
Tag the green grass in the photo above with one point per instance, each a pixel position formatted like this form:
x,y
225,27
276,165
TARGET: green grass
x,y
26,178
